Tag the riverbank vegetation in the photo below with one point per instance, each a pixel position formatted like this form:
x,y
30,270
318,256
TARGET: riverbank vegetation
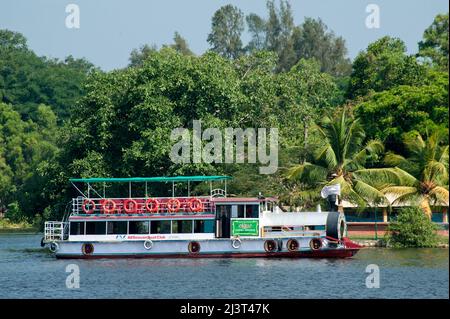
x,y
412,228
376,125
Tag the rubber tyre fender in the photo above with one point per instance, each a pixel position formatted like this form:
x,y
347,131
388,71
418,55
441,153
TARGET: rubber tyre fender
x,y
336,226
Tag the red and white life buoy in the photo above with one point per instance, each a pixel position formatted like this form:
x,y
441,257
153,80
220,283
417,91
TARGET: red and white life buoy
x,y
173,205
152,205
195,205
86,204
130,206
109,206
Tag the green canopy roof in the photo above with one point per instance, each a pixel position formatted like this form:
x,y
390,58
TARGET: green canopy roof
x,y
151,179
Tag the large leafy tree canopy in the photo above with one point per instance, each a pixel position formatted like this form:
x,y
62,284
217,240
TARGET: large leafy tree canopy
x,y
27,80
435,42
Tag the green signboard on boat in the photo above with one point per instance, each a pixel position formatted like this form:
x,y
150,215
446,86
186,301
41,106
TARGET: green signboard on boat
x,y
245,227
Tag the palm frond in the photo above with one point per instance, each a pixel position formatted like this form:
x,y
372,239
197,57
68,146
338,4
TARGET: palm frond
x,y
383,177
373,147
440,194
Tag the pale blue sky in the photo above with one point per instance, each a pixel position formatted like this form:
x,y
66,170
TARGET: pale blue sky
x,y
110,29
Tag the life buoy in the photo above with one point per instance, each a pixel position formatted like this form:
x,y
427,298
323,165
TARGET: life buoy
x,y
315,243
270,245
148,244
236,244
54,247
152,205
130,206
87,249
173,205
194,247
109,206
195,205
86,204
292,245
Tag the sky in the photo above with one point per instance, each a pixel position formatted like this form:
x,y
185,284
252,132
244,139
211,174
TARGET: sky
x,y
110,29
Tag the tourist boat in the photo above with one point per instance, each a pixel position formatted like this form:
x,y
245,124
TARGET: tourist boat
x,y
216,225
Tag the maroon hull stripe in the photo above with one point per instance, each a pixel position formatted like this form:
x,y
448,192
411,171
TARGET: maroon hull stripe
x,y
341,253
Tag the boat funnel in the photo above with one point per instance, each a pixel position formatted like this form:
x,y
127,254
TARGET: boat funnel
x,y
331,193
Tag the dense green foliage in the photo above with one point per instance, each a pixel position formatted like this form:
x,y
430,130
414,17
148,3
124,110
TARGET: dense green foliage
x,y
412,229
26,80
60,119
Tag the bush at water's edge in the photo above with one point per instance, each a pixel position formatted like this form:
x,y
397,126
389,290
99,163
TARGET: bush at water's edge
x,y
412,228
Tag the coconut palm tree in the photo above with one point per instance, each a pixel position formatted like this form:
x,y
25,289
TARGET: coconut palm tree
x,y
421,178
338,156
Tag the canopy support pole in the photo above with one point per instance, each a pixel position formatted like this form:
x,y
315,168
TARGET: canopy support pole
x,y
189,189
146,193
129,188
173,189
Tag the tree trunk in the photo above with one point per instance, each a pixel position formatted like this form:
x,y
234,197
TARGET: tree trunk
x,y
425,206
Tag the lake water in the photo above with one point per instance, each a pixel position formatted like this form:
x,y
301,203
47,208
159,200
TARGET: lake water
x,y
28,271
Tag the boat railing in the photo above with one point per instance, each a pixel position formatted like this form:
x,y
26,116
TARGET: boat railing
x,y
218,192
119,205
55,230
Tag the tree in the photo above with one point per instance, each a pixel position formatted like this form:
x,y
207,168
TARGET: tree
x,y
382,66
138,56
338,158
26,147
435,42
26,80
180,45
412,229
312,40
421,178
389,114
227,27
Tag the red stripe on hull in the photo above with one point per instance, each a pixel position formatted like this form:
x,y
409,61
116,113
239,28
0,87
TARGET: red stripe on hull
x,y
338,253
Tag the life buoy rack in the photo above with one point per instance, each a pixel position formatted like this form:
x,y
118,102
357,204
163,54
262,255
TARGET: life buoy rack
x,y
130,206
152,205
173,205
236,243
194,247
108,206
292,245
315,243
87,249
86,204
148,244
270,245
195,205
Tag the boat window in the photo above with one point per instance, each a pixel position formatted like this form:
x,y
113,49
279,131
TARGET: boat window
x,y
95,228
241,211
181,226
251,211
203,226
160,227
117,228
248,211
77,228
138,227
